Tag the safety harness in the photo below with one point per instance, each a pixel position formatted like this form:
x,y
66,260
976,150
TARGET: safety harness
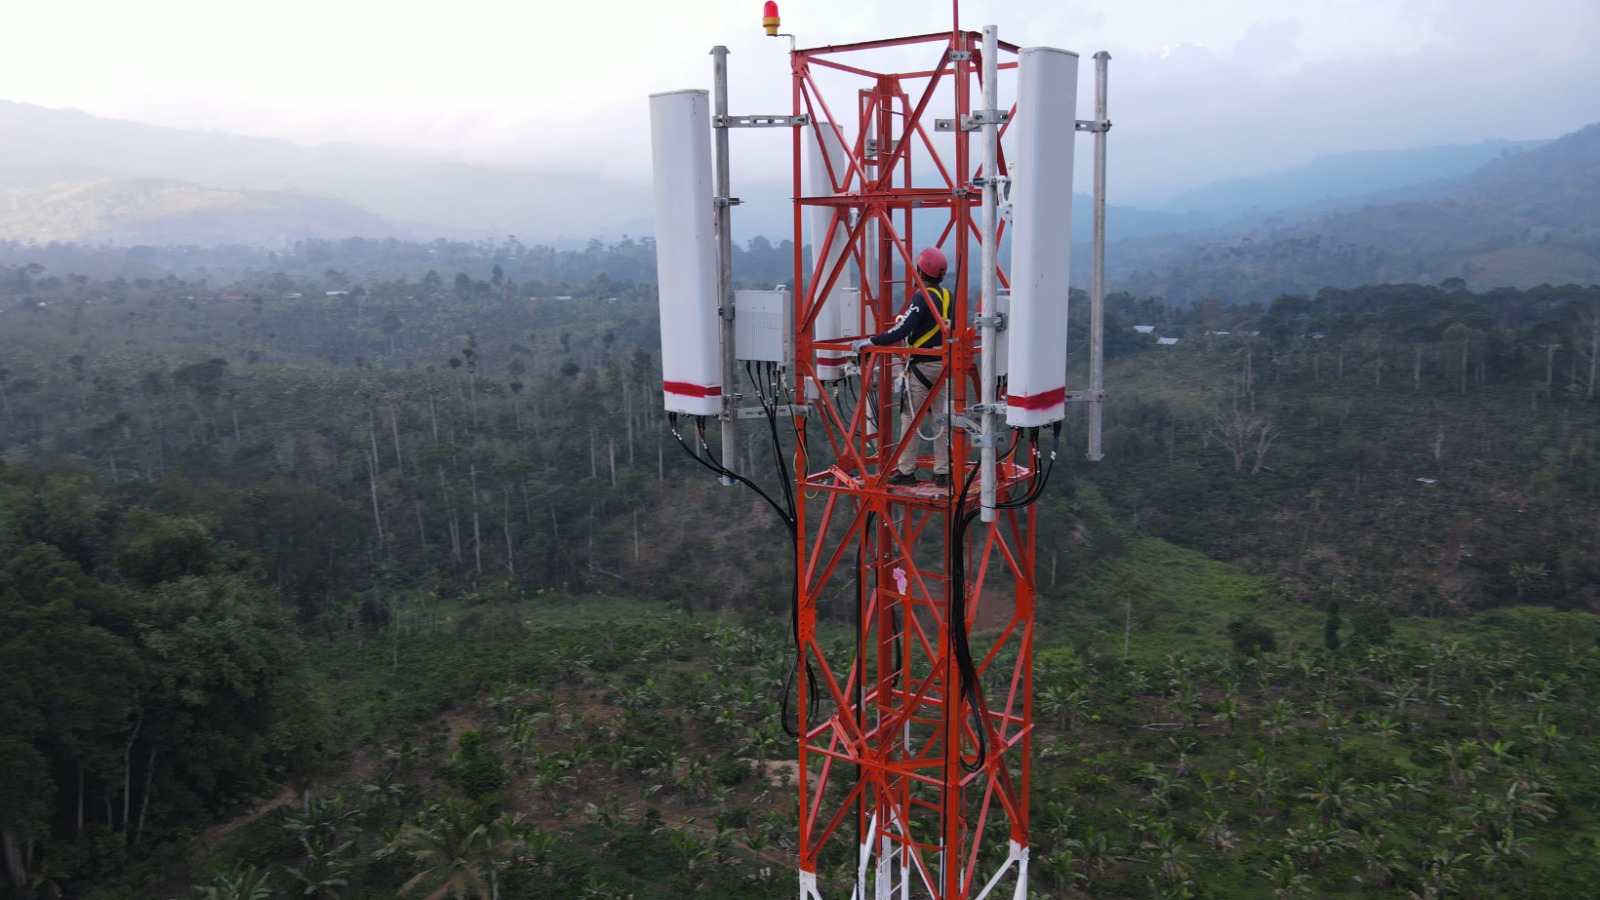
x,y
944,316
922,340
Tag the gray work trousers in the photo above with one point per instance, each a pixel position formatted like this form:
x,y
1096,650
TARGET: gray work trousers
x,y
918,393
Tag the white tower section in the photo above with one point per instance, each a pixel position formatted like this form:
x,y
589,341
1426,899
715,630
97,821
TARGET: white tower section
x,y
686,252
827,173
1041,237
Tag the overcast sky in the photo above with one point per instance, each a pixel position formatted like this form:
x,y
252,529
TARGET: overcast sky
x,y
1199,91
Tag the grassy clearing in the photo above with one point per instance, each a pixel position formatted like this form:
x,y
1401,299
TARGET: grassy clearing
x,y
624,736
1174,601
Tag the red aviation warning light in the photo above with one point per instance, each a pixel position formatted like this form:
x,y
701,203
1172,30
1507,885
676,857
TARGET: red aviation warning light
x,y
769,18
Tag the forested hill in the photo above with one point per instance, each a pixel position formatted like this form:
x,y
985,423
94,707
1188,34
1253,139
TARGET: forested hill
x,y
315,266
43,147
400,398
1523,220
352,537
148,211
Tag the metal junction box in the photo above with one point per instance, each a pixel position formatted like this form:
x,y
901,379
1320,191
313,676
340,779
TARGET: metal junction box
x,y
763,327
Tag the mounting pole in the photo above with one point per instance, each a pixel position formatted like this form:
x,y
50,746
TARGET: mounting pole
x,y
730,397
1097,282
988,307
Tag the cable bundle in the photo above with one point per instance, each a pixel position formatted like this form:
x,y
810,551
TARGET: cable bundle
x,y
956,565
787,513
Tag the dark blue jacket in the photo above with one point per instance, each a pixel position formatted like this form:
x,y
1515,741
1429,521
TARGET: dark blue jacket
x,y
917,321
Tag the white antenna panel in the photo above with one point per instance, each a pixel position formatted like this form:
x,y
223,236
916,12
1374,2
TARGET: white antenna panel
x,y
821,182
686,252
1041,236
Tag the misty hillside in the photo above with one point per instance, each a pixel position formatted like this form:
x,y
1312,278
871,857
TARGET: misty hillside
x,y
150,211
1520,221
69,176
50,147
40,146
1331,177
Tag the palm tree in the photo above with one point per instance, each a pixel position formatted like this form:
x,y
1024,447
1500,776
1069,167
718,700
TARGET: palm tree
x,y
240,884
1381,795
455,851
1287,880
1215,830
1280,718
1409,787
1058,818
1228,712
1094,847
1170,852
1545,736
1058,866
1403,695
1334,797
1439,872
319,832
1382,862
1385,727
1262,780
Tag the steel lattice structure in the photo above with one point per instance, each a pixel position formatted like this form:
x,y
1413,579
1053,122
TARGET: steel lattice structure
x,y
892,760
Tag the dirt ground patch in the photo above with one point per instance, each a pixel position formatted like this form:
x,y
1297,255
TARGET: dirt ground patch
x,y
216,833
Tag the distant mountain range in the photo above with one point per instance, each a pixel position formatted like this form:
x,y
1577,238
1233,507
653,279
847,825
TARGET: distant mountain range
x,y
1499,212
1521,220
155,212
65,150
1333,178
403,197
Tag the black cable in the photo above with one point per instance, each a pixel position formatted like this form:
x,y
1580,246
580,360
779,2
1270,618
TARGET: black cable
x,y
967,673
791,522
1042,480
719,469
785,477
770,409
788,398
957,566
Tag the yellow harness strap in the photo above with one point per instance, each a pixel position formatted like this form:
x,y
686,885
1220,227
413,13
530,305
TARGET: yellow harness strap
x,y
944,314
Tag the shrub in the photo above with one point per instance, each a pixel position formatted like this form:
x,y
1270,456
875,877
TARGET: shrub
x,y
476,771
1250,637
732,772
1370,624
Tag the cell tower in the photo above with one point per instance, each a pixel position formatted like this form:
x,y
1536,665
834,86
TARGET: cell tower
x,y
914,738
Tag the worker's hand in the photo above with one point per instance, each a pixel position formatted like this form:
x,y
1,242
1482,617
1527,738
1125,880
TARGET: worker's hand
x,y
856,345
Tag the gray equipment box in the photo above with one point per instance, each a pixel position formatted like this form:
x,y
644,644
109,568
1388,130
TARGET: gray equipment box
x,y
763,327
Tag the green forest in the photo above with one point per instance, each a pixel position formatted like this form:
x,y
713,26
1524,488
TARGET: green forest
x,y
371,569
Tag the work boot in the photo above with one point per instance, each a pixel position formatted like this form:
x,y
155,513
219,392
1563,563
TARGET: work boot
x,y
902,478
941,480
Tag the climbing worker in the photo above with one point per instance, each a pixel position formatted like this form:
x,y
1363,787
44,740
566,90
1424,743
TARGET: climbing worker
x,y
922,327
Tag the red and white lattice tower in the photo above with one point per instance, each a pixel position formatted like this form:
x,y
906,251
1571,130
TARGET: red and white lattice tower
x,y
892,763
914,737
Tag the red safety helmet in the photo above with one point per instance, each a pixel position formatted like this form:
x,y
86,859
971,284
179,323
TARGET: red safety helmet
x,y
931,262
